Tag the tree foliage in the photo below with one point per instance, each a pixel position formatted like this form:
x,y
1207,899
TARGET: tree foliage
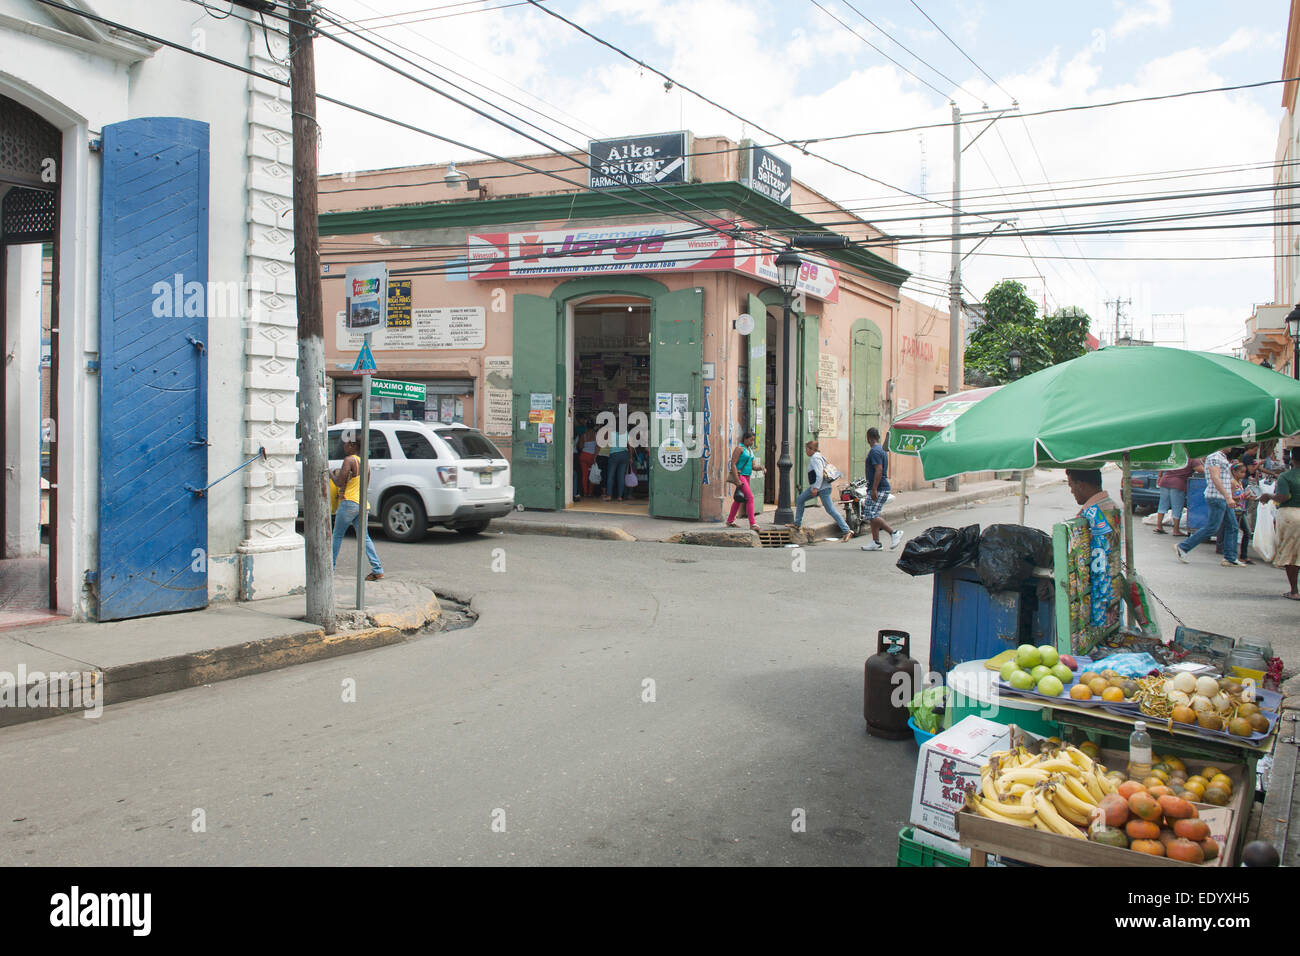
x,y
1012,322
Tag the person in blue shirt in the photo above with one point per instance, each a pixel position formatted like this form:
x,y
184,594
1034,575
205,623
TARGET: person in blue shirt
x,y
878,488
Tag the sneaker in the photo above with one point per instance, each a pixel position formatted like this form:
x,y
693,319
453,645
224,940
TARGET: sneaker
x,y
873,546
895,539
1182,555
1231,564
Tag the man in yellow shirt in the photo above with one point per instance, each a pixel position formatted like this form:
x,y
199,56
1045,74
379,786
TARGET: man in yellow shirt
x,y
347,478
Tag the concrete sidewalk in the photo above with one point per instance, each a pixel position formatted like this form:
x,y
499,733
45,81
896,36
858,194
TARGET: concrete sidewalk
x,y
123,660
905,506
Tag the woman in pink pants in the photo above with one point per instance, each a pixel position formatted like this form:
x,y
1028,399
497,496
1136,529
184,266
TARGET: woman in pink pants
x,y
743,466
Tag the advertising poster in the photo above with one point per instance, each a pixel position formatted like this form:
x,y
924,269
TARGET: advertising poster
x,y
498,386
764,173
367,293
659,158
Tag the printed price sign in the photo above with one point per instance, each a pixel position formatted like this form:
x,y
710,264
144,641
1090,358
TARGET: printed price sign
x,y
672,454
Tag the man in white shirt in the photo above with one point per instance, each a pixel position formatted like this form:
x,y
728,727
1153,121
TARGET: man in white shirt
x,y
819,486
1221,520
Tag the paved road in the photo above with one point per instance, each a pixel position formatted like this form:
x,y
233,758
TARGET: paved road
x,y
534,720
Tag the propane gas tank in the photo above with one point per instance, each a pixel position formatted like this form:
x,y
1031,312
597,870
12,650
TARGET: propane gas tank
x,y
891,677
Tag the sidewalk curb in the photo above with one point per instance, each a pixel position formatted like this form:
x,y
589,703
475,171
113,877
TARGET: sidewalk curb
x,y
559,530
139,679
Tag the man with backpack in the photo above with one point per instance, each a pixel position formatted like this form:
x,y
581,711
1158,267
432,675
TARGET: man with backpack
x,y
820,476
878,484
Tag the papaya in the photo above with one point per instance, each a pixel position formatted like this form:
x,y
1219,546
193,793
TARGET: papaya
x,y
1109,836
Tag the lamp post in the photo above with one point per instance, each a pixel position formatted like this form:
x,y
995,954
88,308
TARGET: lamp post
x,y
1293,326
1014,357
787,268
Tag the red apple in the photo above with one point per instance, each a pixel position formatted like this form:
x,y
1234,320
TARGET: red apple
x,y
1069,662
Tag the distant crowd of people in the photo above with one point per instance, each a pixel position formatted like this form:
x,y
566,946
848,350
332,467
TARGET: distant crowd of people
x,y
1234,489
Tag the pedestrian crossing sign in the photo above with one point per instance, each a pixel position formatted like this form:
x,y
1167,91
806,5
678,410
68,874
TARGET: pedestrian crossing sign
x,y
365,360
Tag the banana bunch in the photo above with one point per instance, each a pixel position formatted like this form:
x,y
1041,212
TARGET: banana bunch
x,y
1056,790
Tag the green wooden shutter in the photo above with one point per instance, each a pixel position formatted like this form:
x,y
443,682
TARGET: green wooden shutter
x,y
865,370
756,343
676,354
538,469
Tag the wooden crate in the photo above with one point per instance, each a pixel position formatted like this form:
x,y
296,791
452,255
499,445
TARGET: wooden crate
x,y
982,836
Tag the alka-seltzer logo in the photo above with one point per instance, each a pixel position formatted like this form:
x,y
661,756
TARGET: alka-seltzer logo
x,y
57,690
626,245
78,909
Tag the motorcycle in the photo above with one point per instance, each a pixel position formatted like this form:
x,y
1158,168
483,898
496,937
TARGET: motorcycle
x,y
852,497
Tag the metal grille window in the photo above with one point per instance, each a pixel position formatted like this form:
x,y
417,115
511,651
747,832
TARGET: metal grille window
x,y
29,146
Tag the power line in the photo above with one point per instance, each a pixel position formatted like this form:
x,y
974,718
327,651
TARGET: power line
x,y
850,29
961,51
914,55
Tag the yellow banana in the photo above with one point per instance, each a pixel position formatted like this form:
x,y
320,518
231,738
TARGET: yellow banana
x,y
983,809
1094,784
1080,790
1040,825
1017,790
1021,775
1061,765
1048,812
986,784
1071,816
1027,798
1107,785
1079,758
1064,797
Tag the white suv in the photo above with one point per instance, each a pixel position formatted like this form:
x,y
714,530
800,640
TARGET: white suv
x,y
424,474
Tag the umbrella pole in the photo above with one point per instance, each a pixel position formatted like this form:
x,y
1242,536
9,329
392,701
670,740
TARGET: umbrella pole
x,y
1024,490
1126,491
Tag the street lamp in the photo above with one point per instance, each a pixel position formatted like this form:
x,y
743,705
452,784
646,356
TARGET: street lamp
x,y
1014,357
788,264
1293,326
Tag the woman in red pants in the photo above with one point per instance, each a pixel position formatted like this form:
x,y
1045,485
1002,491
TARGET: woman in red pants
x,y
743,465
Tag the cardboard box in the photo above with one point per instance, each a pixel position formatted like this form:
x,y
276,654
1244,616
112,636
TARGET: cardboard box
x,y
949,766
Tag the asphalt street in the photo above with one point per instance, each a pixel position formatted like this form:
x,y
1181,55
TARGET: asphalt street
x,y
616,703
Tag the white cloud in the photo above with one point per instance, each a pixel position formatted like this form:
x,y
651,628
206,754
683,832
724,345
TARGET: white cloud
x,y
1134,17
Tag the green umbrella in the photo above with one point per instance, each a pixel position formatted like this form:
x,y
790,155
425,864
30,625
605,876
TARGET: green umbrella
x,y
1157,406
909,432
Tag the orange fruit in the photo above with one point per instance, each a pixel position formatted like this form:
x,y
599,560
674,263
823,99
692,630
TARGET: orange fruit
x,y
1222,780
1098,686
1112,694
1128,788
1080,692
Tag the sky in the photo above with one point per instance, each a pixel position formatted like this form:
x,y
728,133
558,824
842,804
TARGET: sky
x,y
804,69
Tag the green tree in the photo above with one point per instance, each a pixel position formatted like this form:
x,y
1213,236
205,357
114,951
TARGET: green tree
x,y
1067,333
1010,322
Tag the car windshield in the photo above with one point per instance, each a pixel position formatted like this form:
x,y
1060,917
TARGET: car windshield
x,y
469,443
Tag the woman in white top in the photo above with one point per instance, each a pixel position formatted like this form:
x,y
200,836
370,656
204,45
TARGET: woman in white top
x,y
820,487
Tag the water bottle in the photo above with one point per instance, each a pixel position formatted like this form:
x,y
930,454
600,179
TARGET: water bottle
x,y
1139,752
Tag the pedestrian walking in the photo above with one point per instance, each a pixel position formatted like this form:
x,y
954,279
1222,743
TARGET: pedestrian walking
x,y
743,466
1218,498
1173,495
347,478
819,486
1287,498
877,472
1240,502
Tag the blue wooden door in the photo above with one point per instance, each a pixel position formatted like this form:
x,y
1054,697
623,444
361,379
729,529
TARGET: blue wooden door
x,y
153,329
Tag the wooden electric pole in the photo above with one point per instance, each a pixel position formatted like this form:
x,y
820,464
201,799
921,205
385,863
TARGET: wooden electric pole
x,y
311,327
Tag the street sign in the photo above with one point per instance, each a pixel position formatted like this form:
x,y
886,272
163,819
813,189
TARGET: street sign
x,y
365,360
408,391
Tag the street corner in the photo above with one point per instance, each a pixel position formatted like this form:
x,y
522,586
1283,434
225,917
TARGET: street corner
x,y
561,530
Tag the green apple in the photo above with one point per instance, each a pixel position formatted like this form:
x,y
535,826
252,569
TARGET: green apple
x,y
1028,656
1050,686
1008,669
1020,680
1062,673
1039,672
1049,654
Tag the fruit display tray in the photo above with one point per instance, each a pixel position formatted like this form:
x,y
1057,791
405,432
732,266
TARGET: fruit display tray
x,y
1269,704
1064,696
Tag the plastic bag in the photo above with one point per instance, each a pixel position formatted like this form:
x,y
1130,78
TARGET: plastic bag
x,y
1265,539
1130,665
938,549
594,475
1009,553
631,480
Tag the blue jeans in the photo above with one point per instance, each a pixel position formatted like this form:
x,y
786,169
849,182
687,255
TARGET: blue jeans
x,y
1219,521
825,495
345,518
615,474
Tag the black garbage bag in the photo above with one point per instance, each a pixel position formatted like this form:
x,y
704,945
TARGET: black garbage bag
x,y
938,549
1009,553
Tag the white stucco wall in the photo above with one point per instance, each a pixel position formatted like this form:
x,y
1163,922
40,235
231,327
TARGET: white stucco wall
x,y
82,85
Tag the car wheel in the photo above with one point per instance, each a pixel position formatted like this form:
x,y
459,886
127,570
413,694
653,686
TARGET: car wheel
x,y
404,518
476,528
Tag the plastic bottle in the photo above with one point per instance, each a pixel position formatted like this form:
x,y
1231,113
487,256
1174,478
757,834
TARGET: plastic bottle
x,y
1139,752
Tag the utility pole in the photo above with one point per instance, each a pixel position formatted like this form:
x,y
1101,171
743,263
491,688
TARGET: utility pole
x,y
311,328
1118,303
954,288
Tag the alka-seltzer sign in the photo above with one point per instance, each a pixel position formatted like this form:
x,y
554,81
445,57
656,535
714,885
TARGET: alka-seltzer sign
x,y
762,172
367,296
660,159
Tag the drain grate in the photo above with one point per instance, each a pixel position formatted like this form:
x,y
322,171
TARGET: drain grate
x,y
775,537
